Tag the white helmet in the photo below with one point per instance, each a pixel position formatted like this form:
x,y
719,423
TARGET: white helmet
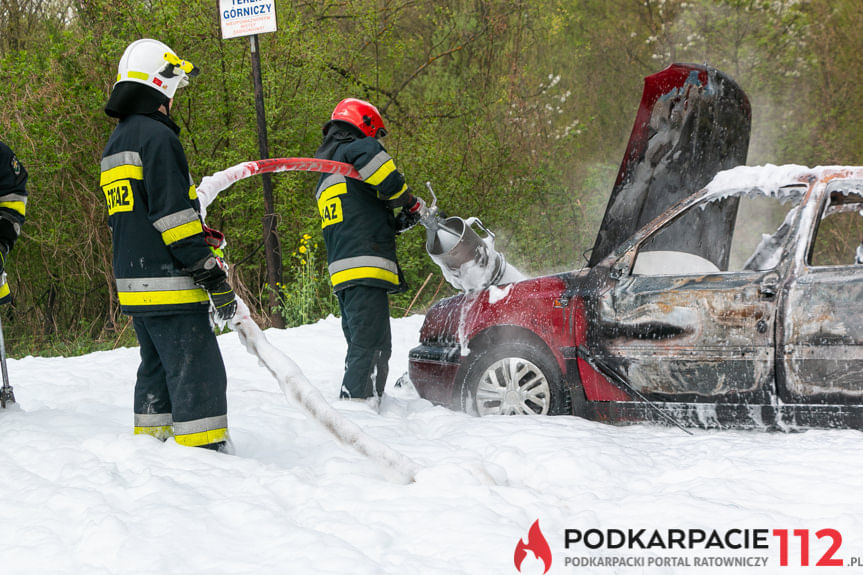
x,y
154,64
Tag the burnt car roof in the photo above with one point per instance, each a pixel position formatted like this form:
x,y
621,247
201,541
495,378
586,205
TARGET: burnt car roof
x,y
786,182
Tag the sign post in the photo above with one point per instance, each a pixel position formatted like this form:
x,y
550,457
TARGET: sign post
x,y
250,18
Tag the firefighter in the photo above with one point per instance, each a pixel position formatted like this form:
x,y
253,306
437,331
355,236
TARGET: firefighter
x,y
360,231
13,208
167,274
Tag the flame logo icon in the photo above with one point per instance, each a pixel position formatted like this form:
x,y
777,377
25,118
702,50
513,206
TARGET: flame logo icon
x,y
535,542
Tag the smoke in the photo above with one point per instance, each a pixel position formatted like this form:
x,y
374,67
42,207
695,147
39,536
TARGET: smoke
x,y
762,46
563,226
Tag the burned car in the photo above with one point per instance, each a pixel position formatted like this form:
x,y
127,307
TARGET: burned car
x,y
773,338
740,305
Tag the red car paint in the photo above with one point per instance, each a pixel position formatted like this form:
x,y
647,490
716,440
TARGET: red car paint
x,y
539,306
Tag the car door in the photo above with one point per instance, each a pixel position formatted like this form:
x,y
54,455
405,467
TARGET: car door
x,y
821,335
680,329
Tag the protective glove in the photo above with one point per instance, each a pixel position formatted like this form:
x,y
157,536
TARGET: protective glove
x,y
215,239
410,215
211,274
224,300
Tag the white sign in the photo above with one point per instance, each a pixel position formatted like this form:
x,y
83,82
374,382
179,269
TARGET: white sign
x,y
247,17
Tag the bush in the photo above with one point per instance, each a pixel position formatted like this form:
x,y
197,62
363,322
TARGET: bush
x,y
307,297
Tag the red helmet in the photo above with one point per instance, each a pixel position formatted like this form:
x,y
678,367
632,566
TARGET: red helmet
x,y
362,115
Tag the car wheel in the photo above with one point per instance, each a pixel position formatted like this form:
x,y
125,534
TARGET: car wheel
x,y
512,379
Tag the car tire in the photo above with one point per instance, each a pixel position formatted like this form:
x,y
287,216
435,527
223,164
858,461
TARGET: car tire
x,y
514,378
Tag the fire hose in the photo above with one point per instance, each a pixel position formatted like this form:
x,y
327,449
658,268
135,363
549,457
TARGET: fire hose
x,y
299,390
469,262
210,186
291,379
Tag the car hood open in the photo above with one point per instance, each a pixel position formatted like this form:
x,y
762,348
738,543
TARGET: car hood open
x,y
693,121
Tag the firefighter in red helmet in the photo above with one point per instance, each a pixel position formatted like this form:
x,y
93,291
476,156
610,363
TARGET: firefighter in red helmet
x,y
360,228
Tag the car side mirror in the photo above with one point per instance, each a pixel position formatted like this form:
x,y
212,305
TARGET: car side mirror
x,y
618,269
769,286
859,258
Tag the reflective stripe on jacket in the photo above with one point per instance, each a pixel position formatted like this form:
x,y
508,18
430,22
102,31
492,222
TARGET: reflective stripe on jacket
x,y
5,293
13,196
357,216
154,214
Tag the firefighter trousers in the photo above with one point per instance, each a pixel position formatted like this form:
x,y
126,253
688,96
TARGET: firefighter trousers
x,y
181,385
366,325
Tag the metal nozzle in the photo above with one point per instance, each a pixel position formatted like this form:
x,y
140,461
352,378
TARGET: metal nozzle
x,y
430,220
434,197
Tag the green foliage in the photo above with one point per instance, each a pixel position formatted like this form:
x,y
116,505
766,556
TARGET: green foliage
x,y
517,112
307,297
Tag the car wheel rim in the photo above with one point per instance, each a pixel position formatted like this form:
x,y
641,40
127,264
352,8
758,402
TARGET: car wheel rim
x,y
513,386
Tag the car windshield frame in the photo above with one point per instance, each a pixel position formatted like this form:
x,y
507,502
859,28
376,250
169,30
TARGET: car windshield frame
x,y
828,206
794,192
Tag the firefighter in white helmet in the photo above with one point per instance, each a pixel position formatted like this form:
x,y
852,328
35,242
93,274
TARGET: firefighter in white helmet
x,y
167,272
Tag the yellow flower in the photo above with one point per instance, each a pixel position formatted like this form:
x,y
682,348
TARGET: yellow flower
x,y
302,249
303,262
307,237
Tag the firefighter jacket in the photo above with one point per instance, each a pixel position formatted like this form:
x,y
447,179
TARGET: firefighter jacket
x,y
357,216
13,207
154,214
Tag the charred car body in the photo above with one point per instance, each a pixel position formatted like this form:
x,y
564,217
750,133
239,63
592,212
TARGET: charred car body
x,y
740,305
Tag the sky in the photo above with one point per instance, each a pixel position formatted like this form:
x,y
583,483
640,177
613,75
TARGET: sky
x,y
80,494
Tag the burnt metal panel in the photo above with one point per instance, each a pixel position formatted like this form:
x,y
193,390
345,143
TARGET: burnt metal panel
x,y
820,335
822,348
689,336
755,416
693,122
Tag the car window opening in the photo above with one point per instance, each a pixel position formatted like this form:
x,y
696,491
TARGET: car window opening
x,y
755,242
838,239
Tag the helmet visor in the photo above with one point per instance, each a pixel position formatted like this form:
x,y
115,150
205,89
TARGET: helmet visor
x,y
174,66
